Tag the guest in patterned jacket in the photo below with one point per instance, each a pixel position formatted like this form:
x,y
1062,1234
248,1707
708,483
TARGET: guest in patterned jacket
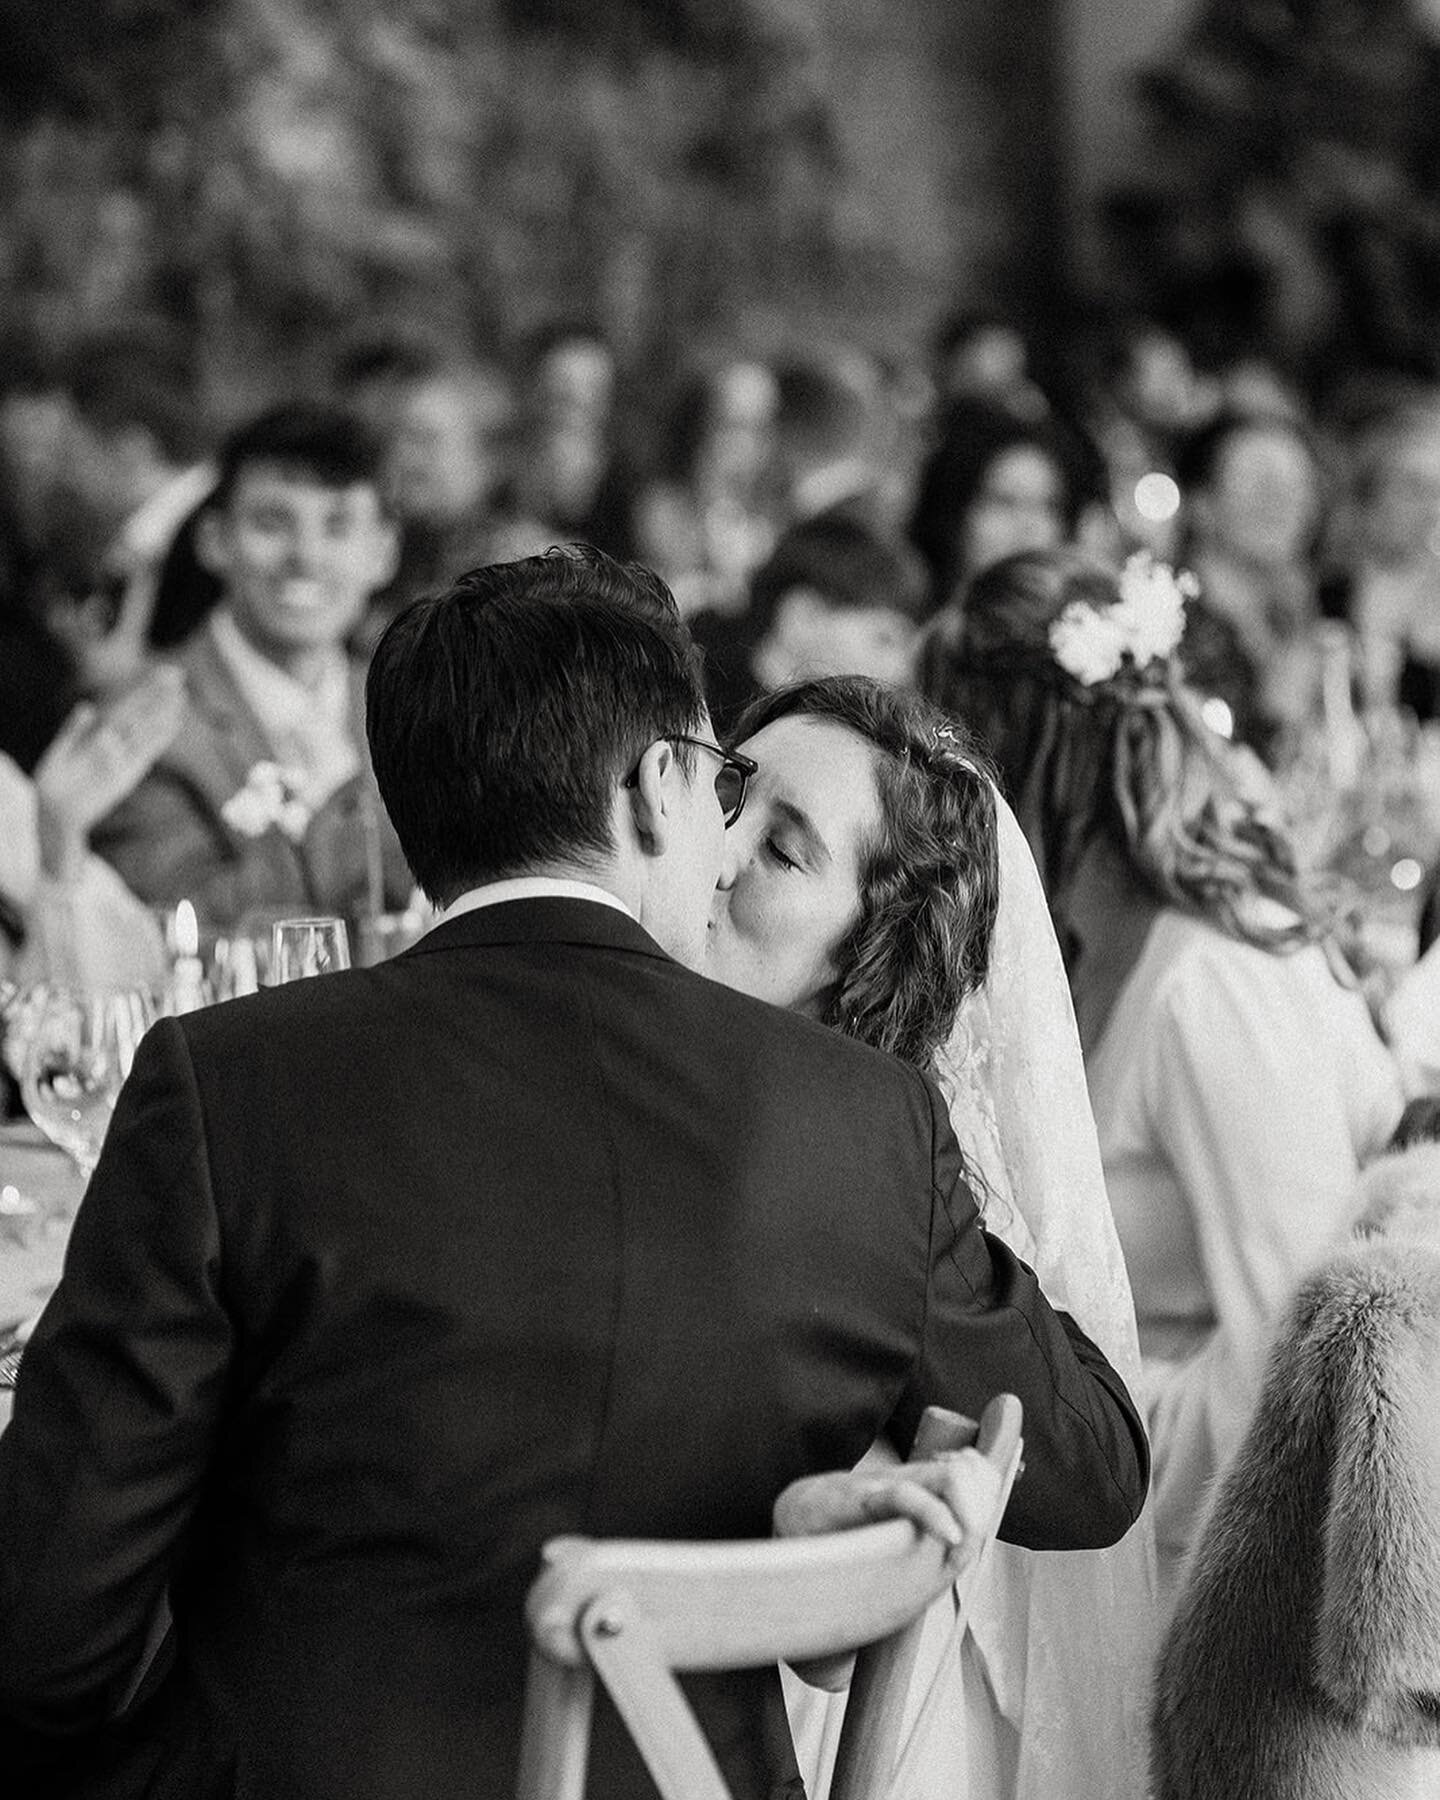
x,y
265,798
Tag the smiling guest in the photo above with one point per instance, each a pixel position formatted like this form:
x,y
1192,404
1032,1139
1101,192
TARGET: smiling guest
x,y
265,799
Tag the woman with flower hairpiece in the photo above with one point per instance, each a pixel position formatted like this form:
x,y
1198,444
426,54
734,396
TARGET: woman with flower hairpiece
x,y
1237,1080
877,881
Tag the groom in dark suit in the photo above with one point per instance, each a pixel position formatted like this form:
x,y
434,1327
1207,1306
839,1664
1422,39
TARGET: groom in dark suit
x,y
388,1277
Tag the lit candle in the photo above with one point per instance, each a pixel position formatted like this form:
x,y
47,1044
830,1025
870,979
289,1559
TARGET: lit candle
x,y
187,984
187,932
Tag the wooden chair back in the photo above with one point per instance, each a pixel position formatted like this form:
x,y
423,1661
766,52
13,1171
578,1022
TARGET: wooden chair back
x,y
634,1612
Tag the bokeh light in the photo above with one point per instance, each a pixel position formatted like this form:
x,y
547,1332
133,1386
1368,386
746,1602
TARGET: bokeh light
x,y
1407,874
1218,716
1157,498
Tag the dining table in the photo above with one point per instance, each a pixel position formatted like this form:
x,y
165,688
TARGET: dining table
x,y
40,1189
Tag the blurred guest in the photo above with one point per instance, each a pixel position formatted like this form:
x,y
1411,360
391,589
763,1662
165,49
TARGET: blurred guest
x,y
67,916
74,616
563,445
1237,1080
445,420
829,433
37,422
1251,493
74,598
982,355
832,600
1254,384
186,592
1141,396
994,484
136,451
706,520
1388,585
37,680
907,428
265,798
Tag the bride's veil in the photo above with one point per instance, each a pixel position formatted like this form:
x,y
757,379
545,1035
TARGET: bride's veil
x,y
1067,1638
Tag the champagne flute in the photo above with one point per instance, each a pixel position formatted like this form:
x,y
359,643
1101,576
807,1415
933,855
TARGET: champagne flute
x,y
304,947
76,1061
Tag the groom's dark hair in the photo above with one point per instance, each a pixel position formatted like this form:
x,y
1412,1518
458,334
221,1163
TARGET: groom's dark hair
x,y
502,713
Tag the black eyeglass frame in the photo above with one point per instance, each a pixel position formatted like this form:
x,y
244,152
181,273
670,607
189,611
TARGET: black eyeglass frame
x,y
743,766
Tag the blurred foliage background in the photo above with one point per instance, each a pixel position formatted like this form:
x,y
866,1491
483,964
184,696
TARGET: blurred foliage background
x,y
1284,199
255,178
258,176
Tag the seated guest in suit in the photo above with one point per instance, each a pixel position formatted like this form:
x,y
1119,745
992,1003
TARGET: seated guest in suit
x,y
386,1278
265,798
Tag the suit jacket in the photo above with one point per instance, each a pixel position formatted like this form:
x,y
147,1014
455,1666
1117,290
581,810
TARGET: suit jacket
x,y
170,840
385,1279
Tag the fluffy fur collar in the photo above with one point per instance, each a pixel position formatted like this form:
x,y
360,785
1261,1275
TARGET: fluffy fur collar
x,y
1303,1662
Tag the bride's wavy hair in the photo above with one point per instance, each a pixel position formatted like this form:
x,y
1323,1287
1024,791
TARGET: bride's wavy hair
x,y
1130,757
929,879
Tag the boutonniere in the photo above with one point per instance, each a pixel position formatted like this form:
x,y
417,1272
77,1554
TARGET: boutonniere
x,y
270,800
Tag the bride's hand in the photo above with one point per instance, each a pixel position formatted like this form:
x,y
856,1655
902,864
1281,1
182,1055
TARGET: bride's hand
x,y
951,1496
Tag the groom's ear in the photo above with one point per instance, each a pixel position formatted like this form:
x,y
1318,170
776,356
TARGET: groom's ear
x,y
651,795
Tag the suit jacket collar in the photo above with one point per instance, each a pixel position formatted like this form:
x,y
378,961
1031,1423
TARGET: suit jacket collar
x,y
544,920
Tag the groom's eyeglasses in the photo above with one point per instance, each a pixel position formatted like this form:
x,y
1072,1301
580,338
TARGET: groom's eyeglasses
x,y
732,778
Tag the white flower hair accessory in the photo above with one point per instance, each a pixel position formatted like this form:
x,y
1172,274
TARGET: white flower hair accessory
x,y
1144,625
270,799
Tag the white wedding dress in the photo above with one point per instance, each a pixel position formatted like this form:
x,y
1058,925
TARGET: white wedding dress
x,y
1046,1696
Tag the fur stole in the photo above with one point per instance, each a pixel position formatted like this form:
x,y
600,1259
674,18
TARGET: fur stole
x,y
1303,1662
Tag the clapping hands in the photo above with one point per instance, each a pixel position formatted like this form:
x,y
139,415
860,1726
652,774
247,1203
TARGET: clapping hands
x,y
97,757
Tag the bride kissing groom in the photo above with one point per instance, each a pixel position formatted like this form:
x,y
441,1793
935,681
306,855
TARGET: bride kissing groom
x,y
386,1278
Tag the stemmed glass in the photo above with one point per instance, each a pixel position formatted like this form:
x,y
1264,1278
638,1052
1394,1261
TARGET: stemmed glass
x,y
20,1007
305,947
80,1049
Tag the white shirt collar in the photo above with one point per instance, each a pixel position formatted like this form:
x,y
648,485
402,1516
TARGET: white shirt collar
x,y
531,887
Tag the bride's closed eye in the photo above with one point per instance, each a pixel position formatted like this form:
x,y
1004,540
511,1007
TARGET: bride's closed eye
x,y
778,855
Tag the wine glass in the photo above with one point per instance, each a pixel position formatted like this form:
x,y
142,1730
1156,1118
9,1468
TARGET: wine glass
x,y
20,1007
304,947
79,1052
